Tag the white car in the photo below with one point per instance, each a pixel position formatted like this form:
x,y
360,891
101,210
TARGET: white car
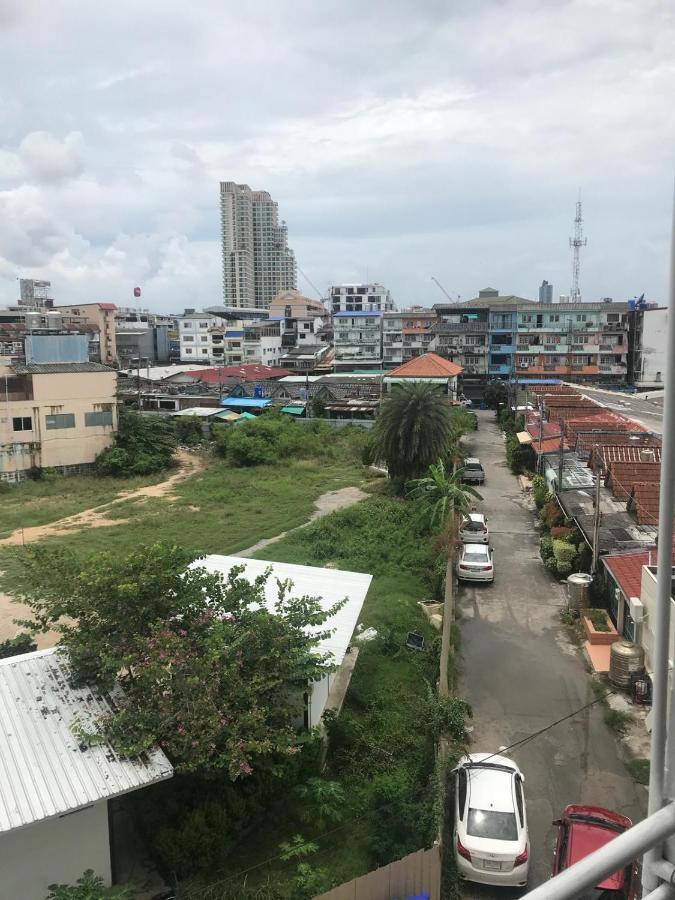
x,y
474,529
491,842
475,563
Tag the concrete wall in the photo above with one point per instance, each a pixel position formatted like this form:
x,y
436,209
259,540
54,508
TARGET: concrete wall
x,y
55,851
653,355
646,629
76,393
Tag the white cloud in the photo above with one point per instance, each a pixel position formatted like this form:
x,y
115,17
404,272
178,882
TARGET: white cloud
x,y
46,158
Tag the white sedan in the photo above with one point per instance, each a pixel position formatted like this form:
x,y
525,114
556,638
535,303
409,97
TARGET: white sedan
x,y
490,838
474,529
475,563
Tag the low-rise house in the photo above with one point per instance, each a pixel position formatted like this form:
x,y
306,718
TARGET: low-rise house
x,y
621,476
331,586
55,415
56,783
429,368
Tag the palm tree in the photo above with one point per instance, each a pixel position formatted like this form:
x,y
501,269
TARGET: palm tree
x,y
413,429
443,495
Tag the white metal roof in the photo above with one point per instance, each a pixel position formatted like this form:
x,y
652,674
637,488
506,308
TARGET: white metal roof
x,y
202,411
45,769
330,585
159,373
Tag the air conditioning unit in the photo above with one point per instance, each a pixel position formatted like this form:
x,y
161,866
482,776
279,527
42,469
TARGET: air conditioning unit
x,y
524,365
637,610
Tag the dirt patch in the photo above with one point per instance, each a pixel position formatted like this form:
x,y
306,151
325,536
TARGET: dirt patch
x,y
9,610
96,517
324,505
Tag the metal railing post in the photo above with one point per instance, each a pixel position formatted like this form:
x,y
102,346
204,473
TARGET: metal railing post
x,y
657,784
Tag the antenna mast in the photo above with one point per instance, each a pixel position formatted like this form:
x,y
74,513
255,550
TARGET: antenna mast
x,y
576,243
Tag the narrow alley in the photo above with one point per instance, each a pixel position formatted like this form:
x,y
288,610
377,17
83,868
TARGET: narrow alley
x,y
520,672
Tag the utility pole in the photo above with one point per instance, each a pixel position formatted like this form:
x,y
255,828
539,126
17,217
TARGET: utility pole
x,y
138,379
561,456
540,457
596,520
576,243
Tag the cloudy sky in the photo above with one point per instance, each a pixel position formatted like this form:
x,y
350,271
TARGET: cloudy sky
x,y
402,139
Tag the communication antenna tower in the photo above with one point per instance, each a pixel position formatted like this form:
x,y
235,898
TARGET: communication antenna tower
x,y
576,243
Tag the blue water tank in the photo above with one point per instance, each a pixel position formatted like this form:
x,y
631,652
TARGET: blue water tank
x,y
258,391
632,305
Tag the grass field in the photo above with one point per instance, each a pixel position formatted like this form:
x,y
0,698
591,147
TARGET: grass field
x,y
219,510
39,502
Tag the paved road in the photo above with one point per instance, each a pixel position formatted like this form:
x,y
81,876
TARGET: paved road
x,y
521,673
647,412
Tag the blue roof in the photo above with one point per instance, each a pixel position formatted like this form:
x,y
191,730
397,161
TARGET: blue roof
x,y
245,402
538,381
353,315
229,334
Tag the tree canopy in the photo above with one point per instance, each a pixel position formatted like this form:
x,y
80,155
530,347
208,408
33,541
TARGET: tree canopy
x,y
441,494
413,429
143,445
205,669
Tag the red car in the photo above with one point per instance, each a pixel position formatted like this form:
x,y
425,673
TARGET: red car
x,y
583,829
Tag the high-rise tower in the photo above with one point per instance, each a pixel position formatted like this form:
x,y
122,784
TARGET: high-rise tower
x,y
257,262
576,243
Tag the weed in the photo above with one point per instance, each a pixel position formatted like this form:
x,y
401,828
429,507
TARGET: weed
x,y
639,770
618,720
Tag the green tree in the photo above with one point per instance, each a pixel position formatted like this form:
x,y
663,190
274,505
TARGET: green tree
x,y
206,671
143,444
442,495
318,405
88,887
413,429
496,393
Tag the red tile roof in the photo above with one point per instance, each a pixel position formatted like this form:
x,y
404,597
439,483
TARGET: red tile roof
x,y
568,400
605,455
601,420
644,502
574,412
551,389
621,476
548,445
105,305
626,570
548,429
428,365
587,439
246,372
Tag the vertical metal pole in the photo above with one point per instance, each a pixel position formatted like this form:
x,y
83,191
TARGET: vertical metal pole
x,y
596,521
661,625
561,455
540,458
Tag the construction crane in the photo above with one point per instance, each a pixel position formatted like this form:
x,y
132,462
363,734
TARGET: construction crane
x,y
433,278
318,292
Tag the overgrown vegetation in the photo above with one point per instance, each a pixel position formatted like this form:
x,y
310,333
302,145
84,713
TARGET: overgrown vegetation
x,y
495,394
639,770
598,619
142,445
521,458
22,643
88,887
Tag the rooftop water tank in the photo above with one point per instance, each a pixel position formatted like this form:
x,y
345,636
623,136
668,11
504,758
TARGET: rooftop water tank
x,y
578,587
626,662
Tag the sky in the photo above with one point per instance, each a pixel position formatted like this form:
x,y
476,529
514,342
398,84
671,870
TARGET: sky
x,y
401,138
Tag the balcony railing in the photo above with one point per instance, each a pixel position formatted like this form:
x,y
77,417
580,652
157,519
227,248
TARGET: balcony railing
x,y
455,327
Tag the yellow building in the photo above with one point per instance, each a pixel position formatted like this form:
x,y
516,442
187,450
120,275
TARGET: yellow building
x,y
102,315
55,415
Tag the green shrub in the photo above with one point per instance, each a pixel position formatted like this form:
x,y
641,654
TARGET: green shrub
x,y
565,554
546,548
539,490
143,445
598,619
551,515
561,533
200,840
22,643
188,429
88,887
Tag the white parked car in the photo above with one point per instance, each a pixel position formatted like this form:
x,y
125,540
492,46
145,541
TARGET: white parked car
x,y
475,563
491,842
474,529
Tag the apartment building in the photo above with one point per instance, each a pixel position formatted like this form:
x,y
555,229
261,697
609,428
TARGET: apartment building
x,y
358,340
102,316
54,415
46,335
257,261
263,342
360,298
407,334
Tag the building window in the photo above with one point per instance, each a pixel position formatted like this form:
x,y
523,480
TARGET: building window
x,y
186,324
204,338
60,420
203,324
22,423
204,352
188,350
188,337
102,417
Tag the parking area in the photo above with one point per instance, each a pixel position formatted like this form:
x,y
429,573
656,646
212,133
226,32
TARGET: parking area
x,y
521,673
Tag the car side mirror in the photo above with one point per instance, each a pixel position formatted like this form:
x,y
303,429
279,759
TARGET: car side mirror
x,y
556,822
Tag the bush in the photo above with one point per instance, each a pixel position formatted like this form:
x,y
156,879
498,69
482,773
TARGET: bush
x,y
88,887
598,619
539,490
546,548
550,514
143,445
519,457
562,533
22,643
188,429
565,554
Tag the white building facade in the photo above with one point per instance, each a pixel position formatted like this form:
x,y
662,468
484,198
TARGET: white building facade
x,y
360,298
651,350
358,340
257,262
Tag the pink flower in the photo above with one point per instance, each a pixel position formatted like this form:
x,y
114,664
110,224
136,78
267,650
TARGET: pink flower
x,y
245,768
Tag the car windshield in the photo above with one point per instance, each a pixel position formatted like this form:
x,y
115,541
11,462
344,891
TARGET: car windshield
x,y
473,466
471,525
474,557
498,826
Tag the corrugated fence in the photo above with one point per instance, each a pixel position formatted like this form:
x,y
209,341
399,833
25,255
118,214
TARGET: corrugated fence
x,y
416,874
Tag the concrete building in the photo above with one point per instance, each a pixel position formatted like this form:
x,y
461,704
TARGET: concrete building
x,y
262,342
257,262
545,292
47,335
358,340
55,415
650,347
306,333
360,298
429,368
56,788
102,316
34,294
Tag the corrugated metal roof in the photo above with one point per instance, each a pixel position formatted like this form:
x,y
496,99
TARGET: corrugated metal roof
x,y
245,402
58,368
200,411
330,585
45,770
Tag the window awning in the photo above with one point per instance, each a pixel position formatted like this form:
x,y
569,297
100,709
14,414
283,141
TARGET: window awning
x,y
524,437
293,410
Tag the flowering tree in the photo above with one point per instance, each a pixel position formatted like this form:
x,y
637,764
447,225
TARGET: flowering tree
x,y
205,670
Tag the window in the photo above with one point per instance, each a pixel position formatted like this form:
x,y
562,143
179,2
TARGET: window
x,y
496,826
204,338
100,417
188,350
22,423
203,324
581,317
204,351
520,803
188,337
186,324
461,791
60,420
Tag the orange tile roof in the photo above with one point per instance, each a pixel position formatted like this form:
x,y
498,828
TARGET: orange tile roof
x,y
621,476
627,570
644,502
428,365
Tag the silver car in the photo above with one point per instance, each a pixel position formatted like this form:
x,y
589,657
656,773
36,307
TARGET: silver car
x,y
473,471
475,563
474,529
